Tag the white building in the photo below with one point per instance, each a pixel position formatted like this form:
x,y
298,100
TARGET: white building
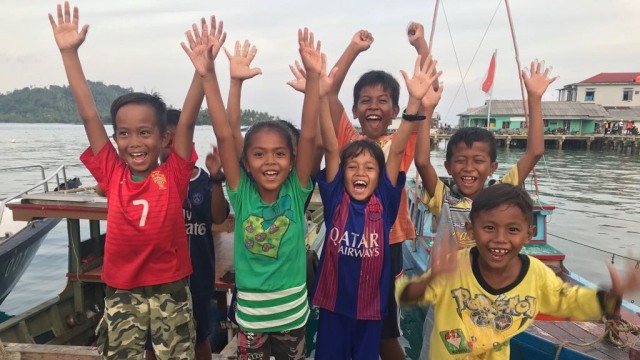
x,y
606,89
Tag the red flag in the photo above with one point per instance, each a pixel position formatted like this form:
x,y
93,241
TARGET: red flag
x,y
488,81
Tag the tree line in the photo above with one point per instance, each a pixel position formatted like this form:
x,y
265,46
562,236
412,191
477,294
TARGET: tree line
x,y
55,104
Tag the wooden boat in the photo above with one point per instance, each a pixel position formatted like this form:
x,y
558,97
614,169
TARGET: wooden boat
x,y
20,240
70,317
543,339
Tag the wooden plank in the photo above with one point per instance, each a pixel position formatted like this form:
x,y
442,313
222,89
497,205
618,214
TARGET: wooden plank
x,y
49,352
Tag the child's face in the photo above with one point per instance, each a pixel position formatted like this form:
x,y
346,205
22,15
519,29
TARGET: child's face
x,y
500,233
470,167
138,138
361,176
269,160
375,110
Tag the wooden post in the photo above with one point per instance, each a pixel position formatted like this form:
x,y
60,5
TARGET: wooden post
x,y
49,352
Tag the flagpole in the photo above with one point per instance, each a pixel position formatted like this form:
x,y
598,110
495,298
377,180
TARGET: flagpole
x,y
489,107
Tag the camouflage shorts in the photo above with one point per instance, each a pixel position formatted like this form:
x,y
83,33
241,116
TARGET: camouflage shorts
x,y
164,310
281,345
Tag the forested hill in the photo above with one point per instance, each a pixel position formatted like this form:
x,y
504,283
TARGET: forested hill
x,y
55,104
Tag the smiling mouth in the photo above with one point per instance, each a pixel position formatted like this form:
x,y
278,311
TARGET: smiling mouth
x,y
468,180
359,186
498,253
270,174
374,121
138,157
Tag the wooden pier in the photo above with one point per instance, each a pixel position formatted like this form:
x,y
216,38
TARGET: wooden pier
x,y
619,143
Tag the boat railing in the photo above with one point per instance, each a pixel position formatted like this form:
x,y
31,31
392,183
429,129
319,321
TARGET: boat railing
x,y
44,183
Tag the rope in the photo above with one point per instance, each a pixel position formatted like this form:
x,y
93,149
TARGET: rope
x,y
446,19
612,330
3,353
433,25
455,96
613,255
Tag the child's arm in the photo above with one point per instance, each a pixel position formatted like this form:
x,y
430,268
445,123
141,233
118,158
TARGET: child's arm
x,y
423,142
240,70
360,42
183,137
415,33
328,134
299,84
69,39
417,86
219,204
536,85
202,51
312,60
444,262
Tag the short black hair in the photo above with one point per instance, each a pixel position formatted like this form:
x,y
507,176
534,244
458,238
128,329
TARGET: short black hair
x,y
173,117
357,147
295,132
470,135
153,100
497,195
374,78
268,125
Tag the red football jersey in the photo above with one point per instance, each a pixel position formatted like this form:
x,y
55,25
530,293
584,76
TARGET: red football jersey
x,y
146,243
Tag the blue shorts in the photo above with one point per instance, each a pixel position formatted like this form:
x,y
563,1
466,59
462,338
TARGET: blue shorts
x,y
201,315
391,323
342,337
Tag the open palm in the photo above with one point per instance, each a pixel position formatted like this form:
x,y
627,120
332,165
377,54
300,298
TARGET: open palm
x,y
65,31
204,47
240,61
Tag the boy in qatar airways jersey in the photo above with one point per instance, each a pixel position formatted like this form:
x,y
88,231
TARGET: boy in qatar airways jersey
x,y
361,196
146,259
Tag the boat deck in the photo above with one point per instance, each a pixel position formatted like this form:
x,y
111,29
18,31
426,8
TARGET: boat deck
x,y
577,334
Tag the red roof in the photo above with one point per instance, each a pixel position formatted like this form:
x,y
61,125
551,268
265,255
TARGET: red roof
x,y
613,78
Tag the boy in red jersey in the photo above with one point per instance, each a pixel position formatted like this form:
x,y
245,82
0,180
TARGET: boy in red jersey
x,y
146,257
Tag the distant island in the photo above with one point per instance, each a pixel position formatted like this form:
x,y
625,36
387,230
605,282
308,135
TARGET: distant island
x,y
55,104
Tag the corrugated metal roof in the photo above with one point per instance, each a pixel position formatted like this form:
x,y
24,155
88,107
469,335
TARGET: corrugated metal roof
x,y
550,110
627,77
630,113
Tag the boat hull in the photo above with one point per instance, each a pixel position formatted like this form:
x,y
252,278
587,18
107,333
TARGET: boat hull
x,y
17,251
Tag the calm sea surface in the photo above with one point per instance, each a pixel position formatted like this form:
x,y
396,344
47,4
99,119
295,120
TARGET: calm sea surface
x,y
596,196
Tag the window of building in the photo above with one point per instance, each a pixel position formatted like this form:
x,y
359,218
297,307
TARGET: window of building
x,y
627,94
505,124
590,95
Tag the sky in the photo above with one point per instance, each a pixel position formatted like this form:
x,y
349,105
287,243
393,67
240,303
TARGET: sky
x,y
137,44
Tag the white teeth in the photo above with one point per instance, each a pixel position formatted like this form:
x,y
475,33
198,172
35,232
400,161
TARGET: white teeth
x,y
360,183
499,251
270,172
373,117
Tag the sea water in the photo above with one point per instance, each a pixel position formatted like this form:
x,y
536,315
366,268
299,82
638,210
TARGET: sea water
x,y
596,194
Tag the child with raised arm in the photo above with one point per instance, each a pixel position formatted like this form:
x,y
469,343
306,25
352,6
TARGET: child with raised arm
x,y
205,205
269,250
487,294
471,157
361,197
375,105
146,260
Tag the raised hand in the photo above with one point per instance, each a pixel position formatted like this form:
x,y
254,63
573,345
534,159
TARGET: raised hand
x,y
538,81
240,61
432,97
310,51
630,284
362,40
204,48
415,33
66,30
422,78
300,75
213,162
